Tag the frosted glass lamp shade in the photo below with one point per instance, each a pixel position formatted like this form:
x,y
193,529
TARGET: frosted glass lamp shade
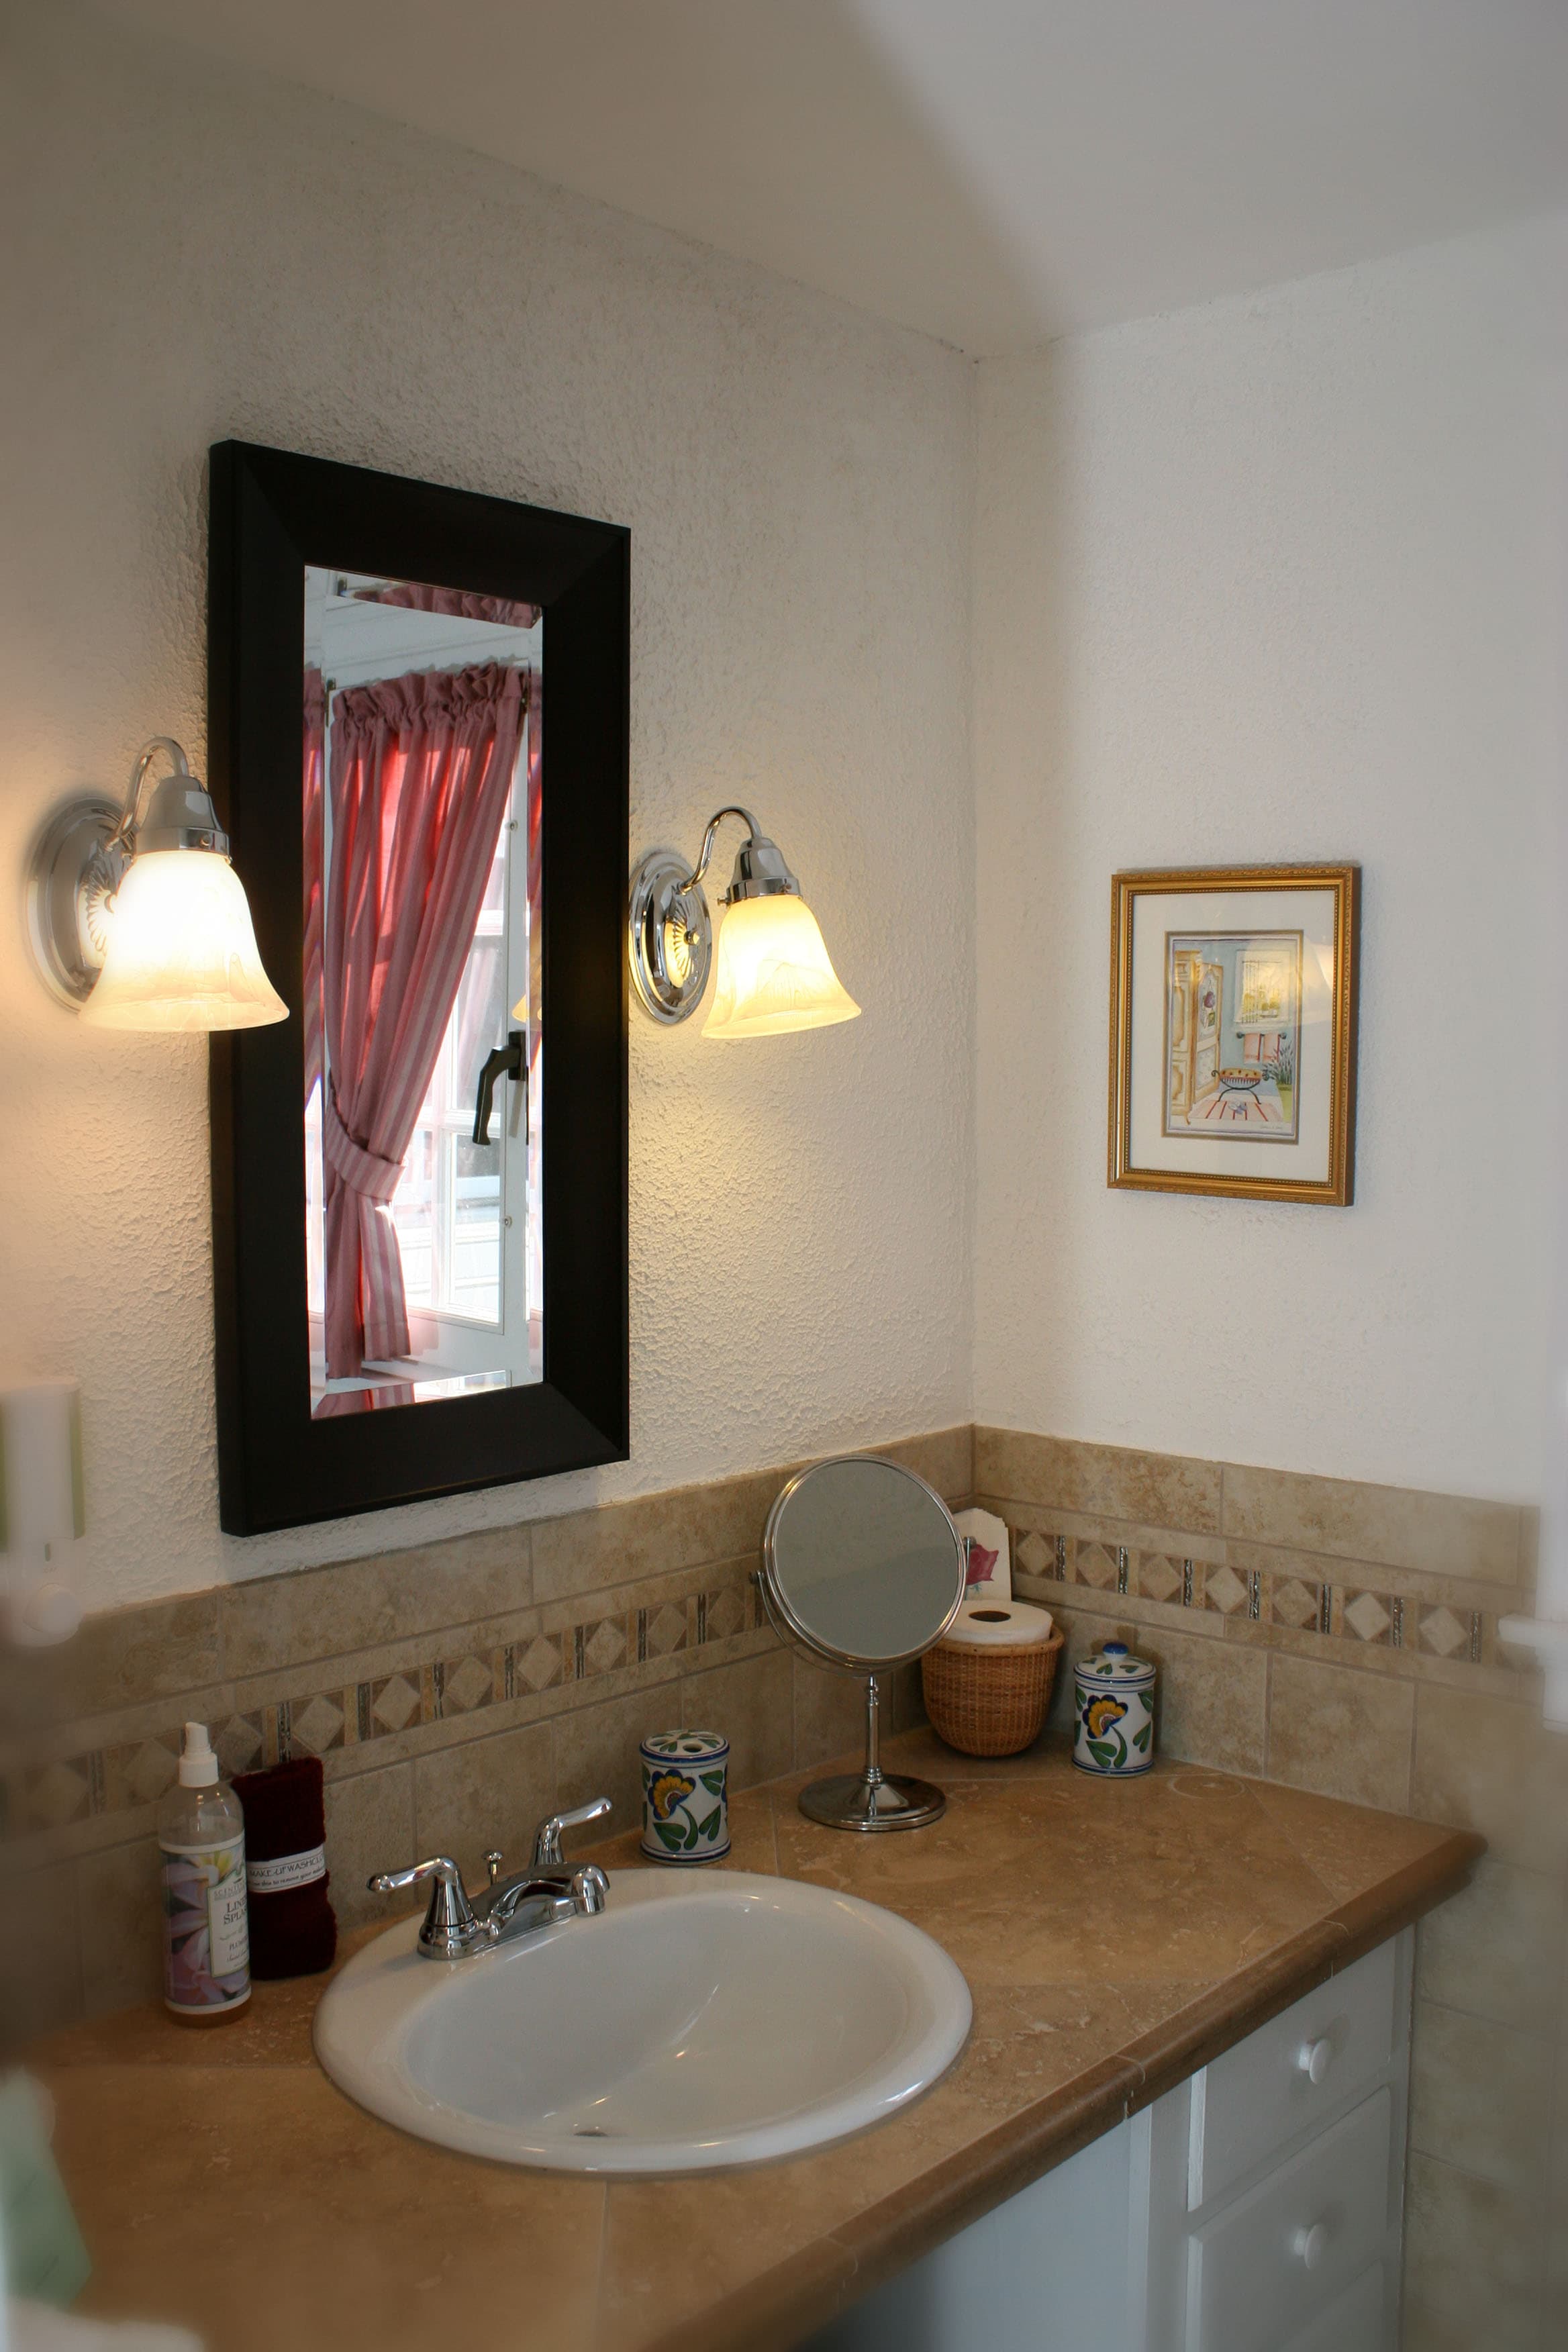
x,y
775,972
181,952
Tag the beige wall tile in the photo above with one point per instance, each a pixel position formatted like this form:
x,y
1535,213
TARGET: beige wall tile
x,y
1472,2264
370,1827
1448,1533
752,1704
121,1913
1480,2098
596,1751
1490,1764
944,1458
488,1794
322,1612
1497,1948
1210,1701
127,1656
829,1712
652,1535
1339,1732
1115,1481
40,1962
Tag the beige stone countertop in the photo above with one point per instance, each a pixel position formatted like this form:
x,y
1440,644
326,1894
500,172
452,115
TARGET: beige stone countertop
x,y
1115,1936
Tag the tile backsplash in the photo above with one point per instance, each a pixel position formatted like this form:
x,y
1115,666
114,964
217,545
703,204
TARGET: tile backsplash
x,y
1340,1638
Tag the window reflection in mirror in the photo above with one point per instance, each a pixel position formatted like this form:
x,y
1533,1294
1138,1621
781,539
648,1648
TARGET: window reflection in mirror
x,y
422,781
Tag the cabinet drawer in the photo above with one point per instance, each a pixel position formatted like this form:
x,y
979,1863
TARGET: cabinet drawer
x,y
1303,2064
1267,2265
1358,2322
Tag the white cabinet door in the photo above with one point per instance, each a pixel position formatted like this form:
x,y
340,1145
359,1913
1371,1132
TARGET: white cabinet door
x,y
1046,2272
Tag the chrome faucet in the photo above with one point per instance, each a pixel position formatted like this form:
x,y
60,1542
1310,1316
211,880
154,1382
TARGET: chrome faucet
x,y
548,1890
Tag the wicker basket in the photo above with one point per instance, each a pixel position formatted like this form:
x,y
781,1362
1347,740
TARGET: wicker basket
x,y
991,1701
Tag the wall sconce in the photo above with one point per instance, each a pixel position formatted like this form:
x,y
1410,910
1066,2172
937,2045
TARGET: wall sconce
x,y
137,919
775,972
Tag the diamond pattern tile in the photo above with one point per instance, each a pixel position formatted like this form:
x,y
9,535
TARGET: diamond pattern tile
x,y
316,1725
1367,1617
666,1630
540,1664
1096,1565
151,1769
468,1682
237,1743
605,1647
1295,1603
1442,1633
1158,1578
1225,1591
1034,1554
726,1612
57,1794
395,1703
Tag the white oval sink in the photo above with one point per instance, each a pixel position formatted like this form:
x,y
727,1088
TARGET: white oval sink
x,y
693,2025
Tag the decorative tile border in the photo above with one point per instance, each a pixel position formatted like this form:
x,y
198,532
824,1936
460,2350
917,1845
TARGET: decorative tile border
x,y
1339,1613
121,1778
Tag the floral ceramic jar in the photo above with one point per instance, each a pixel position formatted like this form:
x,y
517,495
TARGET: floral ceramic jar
x,y
685,1799
1115,1712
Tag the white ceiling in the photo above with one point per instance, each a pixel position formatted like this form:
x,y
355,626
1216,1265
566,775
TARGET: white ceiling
x,y
993,172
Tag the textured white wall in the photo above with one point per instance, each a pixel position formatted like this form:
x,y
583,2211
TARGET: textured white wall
x,y
202,257
1274,579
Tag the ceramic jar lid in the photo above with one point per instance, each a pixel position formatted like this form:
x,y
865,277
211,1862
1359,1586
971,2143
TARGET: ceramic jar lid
x,y
998,1625
1114,1665
685,1746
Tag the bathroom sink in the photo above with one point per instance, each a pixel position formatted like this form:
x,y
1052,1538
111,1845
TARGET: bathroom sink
x,y
695,2024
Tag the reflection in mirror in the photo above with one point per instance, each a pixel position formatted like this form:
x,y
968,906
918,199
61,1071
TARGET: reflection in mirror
x,y
422,783
863,1567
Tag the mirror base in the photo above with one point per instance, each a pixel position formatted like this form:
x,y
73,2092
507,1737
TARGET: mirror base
x,y
853,1801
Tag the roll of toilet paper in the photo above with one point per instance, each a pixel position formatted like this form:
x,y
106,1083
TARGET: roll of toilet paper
x,y
995,1624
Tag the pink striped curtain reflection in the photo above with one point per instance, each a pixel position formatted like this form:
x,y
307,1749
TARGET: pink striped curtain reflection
x,y
421,770
315,733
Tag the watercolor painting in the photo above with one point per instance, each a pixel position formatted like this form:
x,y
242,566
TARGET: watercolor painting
x,y
1233,1032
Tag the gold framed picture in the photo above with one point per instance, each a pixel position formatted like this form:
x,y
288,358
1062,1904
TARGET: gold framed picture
x,y
1233,1031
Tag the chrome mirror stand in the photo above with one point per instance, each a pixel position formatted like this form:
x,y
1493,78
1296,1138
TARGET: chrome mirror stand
x,y
868,1799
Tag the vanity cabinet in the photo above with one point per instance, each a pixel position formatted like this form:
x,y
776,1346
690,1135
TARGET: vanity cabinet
x,y
1254,2208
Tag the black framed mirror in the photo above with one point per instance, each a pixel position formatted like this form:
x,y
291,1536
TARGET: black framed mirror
x,y
417,742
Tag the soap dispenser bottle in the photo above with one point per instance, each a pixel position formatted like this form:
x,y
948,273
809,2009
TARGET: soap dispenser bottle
x,y
207,1943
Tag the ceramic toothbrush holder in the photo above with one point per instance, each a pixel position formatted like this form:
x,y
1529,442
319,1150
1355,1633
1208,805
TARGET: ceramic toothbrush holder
x,y
1114,1707
685,1796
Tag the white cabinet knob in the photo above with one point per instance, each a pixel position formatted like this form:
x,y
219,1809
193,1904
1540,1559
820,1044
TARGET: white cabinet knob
x,y
1311,2245
1315,2058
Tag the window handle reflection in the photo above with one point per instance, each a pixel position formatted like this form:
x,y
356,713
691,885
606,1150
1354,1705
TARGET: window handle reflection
x,y
501,1062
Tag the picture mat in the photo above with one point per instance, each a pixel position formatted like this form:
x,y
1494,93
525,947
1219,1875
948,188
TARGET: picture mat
x,y
1203,912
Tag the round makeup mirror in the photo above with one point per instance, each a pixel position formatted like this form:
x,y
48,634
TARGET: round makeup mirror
x,y
863,1567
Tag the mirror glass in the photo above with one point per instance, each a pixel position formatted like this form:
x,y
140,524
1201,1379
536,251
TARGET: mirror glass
x,y
863,1562
422,777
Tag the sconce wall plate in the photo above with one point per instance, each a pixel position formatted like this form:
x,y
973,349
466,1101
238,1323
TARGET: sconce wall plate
x,y
670,936
75,867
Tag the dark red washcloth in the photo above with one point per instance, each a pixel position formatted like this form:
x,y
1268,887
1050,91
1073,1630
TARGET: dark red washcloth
x,y
292,1930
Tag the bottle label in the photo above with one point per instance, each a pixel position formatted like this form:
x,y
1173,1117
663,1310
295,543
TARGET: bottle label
x,y
286,1870
206,1942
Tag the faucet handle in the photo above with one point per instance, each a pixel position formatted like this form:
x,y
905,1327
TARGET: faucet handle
x,y
547,1836
450,1924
